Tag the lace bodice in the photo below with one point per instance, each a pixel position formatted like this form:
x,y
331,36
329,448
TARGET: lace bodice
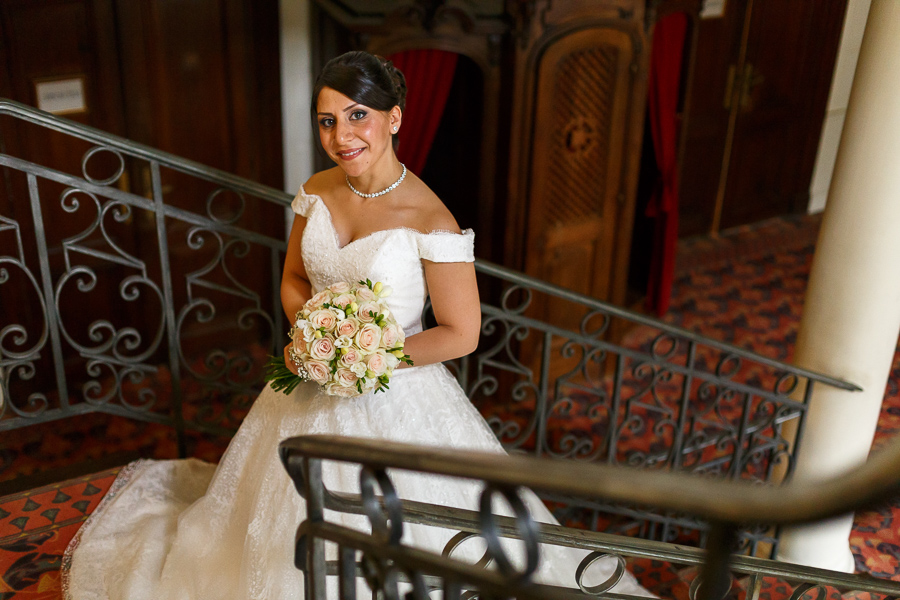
x,y
392,256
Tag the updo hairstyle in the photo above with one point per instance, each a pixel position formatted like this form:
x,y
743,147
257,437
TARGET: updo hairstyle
x,y
365,78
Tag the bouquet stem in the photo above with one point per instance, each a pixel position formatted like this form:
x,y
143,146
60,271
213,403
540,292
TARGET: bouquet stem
x,y
281,378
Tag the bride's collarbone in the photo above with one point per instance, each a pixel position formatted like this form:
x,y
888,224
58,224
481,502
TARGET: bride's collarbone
x,y
357,220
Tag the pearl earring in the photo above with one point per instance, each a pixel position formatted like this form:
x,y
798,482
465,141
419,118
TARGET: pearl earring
x,y
395,129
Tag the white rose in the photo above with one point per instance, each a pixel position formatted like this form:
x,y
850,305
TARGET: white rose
x,y
368,338
367,312
390,336
348,327
382,307
351,357
341,287
334,389
308,331
364,293
359,369
343,341
323,319
318,371
322,348
318,300
377,363
345,377
392,362
343,300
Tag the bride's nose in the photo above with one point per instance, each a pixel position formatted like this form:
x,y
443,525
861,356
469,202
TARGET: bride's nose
x,y
344,132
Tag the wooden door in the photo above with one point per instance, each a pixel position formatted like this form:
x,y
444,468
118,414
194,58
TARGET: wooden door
x,y
758,101
576,171
198,79
47,41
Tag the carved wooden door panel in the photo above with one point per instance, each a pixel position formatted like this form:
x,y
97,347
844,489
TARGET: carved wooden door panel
x,y
581,119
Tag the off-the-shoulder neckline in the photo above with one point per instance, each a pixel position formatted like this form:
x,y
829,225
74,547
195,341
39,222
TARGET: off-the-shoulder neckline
x,y
337,240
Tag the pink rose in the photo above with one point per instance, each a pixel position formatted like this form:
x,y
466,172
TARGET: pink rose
x,y
334,389
341,287
364,293
318,300
322,348
343,300
323,319
299,344
348,327
368,337
318,371
351,357
367,312
377,364
345,377
390,336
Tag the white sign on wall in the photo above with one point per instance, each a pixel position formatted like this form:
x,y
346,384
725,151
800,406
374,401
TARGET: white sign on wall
x,y
61,96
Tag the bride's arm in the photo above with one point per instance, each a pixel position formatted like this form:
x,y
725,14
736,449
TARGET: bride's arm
x,y
454,298
295,286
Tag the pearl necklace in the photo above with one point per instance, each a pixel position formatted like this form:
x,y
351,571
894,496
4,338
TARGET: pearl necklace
x,y
382,192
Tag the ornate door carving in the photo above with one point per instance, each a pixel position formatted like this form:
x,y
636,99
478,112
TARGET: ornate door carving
x,y
575,172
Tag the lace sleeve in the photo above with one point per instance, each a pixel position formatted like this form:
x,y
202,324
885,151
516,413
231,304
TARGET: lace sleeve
x,y
302,203
446,246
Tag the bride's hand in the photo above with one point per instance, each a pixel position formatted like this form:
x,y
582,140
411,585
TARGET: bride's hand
x,y
288,362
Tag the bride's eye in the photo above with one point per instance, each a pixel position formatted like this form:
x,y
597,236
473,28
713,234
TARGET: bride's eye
x,y
357,114
326,122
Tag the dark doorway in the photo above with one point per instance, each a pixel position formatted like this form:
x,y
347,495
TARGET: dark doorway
x,y
453,170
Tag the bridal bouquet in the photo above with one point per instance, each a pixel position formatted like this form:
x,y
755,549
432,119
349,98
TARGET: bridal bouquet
x,y
345,339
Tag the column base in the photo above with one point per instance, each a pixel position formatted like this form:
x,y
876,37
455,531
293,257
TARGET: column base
x,y
821,545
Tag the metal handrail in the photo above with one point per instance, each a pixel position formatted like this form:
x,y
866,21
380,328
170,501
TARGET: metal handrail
x,y
489,268
33,115
98,136
725,503
716,500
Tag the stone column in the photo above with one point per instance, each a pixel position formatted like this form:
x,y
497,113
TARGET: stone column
x,y
851,317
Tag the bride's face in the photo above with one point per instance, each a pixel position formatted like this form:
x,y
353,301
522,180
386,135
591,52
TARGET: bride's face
x,y
354,136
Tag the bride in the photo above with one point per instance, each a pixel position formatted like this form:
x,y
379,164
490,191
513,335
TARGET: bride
x,y
190,530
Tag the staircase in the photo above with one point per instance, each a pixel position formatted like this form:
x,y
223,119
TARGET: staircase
x,y
186,351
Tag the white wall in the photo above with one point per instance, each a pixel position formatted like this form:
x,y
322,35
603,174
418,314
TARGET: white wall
x,y
296,87
848,52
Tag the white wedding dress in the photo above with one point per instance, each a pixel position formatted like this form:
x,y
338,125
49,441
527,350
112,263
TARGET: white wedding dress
x,y
185,529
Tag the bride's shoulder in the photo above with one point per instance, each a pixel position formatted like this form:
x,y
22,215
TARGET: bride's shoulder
x,y
316,187
323,182
431,214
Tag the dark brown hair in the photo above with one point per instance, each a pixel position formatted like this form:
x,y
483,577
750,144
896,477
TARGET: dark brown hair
x,y
365,78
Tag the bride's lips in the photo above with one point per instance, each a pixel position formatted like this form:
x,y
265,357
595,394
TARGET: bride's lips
x,y
350,154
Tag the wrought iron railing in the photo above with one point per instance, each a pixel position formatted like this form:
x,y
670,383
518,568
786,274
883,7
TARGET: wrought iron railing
x,y
140,284
384,562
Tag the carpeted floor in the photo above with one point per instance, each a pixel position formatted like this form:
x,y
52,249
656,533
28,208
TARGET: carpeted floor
x,y
745,288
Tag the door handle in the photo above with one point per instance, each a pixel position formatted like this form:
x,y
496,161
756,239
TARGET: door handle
x,y
751,79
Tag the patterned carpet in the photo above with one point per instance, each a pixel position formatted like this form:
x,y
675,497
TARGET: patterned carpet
x,y
36,527
745,288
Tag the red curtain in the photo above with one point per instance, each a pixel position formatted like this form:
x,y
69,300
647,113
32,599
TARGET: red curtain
x,y
429,75
663,89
